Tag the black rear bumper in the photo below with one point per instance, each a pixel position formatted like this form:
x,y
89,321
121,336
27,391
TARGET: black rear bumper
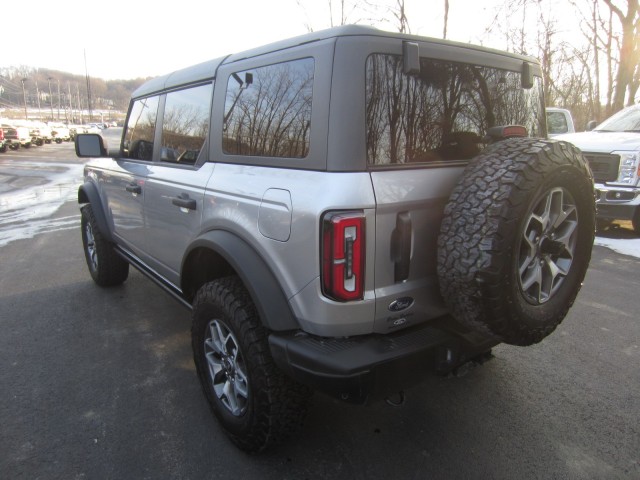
x,y
357,368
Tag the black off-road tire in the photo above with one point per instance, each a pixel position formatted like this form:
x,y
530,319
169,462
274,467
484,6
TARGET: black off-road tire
x,y
261,406
635,221
523,209
106,267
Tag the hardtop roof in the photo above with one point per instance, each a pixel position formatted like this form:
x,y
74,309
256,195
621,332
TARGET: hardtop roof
x,y
207,70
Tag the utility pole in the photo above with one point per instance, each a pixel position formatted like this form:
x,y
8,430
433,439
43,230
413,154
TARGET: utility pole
x,y
58,99
24,97
50,97
70,104
88,87
38,94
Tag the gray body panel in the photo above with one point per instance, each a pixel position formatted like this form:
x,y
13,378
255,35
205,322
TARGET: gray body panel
x,y
275,205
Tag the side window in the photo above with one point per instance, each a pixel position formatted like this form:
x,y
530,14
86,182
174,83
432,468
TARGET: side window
x,y
444,112
268,110
185,124
140,130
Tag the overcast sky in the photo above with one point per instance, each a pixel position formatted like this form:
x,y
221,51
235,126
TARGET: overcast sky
x,y
140,38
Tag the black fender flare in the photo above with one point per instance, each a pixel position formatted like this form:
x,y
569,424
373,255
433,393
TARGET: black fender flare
x,y
260,281
88,193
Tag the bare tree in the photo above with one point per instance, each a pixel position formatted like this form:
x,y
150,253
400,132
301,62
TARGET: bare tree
x,y
446,19
629,51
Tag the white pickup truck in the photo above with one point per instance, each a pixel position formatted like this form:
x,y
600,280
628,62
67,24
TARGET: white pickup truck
x,y
613,151
60,132
559,121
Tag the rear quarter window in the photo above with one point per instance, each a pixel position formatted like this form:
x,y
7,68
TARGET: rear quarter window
x,y
268,110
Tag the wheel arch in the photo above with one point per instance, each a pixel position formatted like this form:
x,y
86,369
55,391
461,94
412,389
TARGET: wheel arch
x,y
218,254
88,193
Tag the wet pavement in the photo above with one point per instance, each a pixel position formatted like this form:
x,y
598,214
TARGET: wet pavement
x,y
99,383
32,190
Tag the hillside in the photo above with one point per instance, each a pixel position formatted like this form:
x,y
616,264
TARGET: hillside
x,y
51,90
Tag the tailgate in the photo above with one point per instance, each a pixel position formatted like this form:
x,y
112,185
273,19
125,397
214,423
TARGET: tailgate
x,y
409,209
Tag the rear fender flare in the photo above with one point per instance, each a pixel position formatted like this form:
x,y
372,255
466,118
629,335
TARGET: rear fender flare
x,y
258,278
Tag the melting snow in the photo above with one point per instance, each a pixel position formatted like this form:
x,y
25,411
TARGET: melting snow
x,y
27,212
624,246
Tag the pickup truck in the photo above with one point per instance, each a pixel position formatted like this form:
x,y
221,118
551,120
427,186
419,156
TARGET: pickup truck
x,y
559,121
59,132
613,152
16,136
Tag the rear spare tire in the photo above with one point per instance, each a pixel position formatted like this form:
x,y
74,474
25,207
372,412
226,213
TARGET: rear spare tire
x,y
516,239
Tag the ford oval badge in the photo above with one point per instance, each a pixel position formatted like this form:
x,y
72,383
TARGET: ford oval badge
x,y
400,304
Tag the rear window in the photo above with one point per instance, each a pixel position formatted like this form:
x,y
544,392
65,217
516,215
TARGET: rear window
x,y
444,113
557,123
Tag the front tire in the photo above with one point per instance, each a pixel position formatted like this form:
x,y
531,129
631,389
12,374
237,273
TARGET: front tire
x,y
256,404
635,222
106,267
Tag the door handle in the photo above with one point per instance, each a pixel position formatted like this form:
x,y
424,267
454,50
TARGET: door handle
x,y
401,247
134,188
183,201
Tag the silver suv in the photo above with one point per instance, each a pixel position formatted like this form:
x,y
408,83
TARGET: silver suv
x,y
345,212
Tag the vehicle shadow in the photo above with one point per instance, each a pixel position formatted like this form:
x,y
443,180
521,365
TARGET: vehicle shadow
x,y
622,230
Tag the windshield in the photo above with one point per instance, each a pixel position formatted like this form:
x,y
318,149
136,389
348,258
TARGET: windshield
x,y
624,121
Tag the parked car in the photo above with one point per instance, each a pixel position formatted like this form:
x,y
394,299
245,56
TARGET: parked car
x,y
92,128
75,130
559,121
339,215
11,136
3,142
613,152
36,137
17,136
45,132
59,132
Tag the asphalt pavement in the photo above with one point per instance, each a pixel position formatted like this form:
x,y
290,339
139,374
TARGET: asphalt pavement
x,y
100,384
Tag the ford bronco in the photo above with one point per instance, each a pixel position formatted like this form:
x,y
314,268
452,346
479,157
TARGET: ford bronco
x,y
344,211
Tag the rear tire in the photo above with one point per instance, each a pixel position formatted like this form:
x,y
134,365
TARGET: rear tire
x,y
256,403
516,239
106,267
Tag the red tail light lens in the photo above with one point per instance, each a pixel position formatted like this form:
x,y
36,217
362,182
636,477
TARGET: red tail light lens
x,y
343,250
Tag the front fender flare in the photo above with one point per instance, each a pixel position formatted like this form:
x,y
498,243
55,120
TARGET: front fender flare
x,y
258,278
88,193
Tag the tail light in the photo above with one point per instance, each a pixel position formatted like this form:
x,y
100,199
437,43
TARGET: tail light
x,y
343,251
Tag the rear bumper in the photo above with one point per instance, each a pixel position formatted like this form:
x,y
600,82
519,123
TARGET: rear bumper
x,y
357,368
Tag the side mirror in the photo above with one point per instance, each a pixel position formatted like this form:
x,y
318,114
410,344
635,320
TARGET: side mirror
x,y
90,145
591,125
